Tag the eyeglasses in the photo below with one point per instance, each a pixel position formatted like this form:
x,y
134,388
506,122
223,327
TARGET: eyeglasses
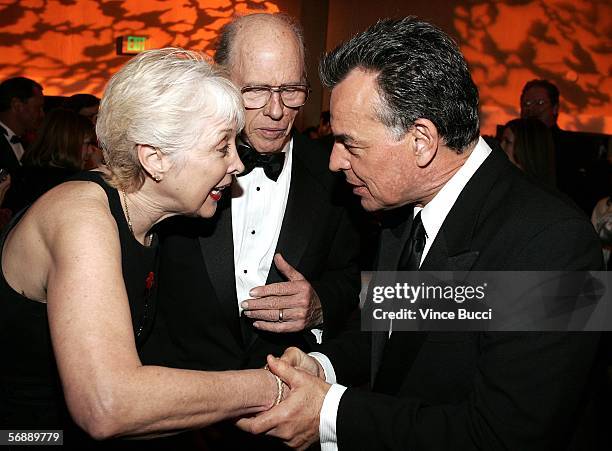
x,y
292,96
538,102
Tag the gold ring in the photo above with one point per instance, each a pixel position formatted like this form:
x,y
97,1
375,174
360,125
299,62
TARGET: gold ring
x,y
280,315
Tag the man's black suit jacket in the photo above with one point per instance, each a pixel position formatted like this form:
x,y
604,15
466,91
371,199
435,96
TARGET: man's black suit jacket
x,y
197,324
477,390
8,159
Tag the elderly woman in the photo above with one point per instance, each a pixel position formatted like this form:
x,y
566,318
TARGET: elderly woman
x,y
78,267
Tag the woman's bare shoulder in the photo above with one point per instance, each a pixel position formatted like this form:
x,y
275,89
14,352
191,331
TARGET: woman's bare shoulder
x,y
75,211
75,201
69,223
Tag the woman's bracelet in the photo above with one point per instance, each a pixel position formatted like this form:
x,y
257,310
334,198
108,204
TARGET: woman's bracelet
x,y
279,386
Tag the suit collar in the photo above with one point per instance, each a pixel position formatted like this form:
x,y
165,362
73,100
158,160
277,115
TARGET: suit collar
x,y
6,131
434,215
436,211
454,247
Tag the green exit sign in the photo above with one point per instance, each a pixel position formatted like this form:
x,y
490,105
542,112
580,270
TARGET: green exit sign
x,y
131,45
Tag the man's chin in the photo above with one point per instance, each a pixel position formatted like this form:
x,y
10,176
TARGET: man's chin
x,y
369,205
270,145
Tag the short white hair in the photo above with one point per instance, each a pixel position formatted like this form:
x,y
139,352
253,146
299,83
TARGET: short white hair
x,y
167,99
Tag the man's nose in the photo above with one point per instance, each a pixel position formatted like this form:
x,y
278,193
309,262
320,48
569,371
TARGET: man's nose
x,y
337,159
274,107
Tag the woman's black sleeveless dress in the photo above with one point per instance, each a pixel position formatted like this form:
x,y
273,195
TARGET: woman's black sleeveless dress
x,y
30,391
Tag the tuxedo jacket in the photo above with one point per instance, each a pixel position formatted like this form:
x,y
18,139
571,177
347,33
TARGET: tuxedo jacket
x,y
8,159
477,390
197,324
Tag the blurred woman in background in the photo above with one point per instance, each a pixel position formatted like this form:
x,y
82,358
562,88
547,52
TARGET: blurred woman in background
x,y
529,145
87,105
61,149
84,104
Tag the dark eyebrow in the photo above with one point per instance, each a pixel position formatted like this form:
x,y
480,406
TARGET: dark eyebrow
x,y
344,138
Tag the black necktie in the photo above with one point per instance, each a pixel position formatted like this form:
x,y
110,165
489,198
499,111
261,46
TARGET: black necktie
x,y
272,163
413,250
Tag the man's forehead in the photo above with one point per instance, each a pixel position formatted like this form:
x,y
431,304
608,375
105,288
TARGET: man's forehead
x,y
265,37
267,63
536,91
357,93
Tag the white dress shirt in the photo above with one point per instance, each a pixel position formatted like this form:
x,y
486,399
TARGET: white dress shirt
x,y
17,147
432,215
258,208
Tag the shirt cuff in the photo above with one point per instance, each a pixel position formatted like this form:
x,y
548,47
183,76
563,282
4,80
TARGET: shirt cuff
x,y
327,422
328,368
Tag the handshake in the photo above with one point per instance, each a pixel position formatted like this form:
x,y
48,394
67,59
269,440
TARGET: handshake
x,y
295,418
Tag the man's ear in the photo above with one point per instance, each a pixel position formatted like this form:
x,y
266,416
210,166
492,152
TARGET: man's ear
x,y
426,141
16,104
153,161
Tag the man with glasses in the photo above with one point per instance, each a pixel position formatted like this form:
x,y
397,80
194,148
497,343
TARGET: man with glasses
x,y
277,265
582,171
540,100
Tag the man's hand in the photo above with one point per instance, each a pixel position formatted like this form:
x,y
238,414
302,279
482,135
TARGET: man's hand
x,y
302,361
296,419
289,306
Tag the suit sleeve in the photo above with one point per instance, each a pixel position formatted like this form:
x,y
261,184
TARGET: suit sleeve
x,y
350,353
525,390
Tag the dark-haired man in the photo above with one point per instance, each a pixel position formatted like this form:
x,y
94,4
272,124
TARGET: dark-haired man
x,y
21,110
404,113
540,100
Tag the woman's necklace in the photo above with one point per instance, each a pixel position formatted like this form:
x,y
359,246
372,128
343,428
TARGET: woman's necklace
x,y
148,238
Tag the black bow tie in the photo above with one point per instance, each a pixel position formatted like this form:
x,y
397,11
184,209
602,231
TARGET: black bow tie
x,y
16,139
272,163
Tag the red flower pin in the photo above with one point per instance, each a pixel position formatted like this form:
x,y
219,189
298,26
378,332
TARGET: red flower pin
x,y
150,280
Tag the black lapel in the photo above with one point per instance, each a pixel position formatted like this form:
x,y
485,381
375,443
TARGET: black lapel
x,y
218,253
303,207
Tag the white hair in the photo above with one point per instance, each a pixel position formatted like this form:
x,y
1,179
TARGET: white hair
x,y
167,99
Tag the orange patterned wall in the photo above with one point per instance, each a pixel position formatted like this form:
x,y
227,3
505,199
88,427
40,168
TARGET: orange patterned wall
x,y
509,42
567,42
69,46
